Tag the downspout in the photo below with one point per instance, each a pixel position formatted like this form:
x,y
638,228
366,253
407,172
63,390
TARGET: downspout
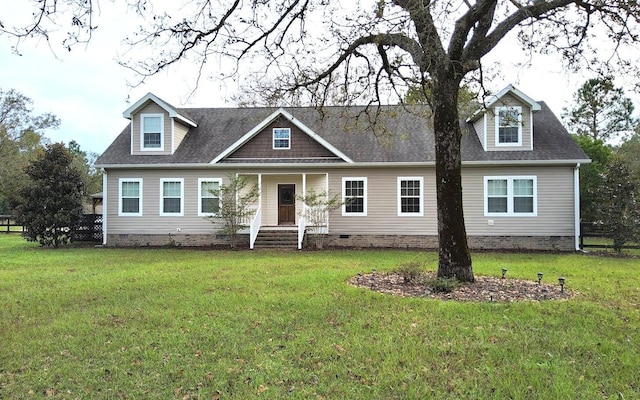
x,y
576,205
104,207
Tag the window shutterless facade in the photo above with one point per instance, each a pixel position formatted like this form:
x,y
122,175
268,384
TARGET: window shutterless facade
x,y
130,197
152,132
172,197
354,196
510,196
281,138
508,126
208,195
410,196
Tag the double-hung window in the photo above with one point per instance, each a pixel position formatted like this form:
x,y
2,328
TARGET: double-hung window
x,y
510,196
172,196
410,196
130,197
508,126
281,138
209,196
152,131
354,196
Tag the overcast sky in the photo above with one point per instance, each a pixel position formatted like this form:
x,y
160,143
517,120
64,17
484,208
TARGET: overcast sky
x,y
88,90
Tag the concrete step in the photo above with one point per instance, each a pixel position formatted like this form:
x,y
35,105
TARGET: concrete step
x,y
277,239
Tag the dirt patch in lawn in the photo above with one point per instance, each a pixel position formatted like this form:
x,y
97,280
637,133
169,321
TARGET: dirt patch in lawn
x,y
485,288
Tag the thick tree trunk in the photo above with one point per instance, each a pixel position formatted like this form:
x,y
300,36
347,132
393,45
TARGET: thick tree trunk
x,y
454,258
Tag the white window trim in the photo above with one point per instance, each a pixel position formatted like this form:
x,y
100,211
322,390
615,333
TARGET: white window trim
x,y
142,147
410,214
510,212
200,181
273,139
497,126
344,198
161,203
129,214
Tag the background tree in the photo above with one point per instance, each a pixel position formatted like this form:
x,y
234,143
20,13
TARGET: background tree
x,y
629,154
592,176
51,204
21,137
468,101
600,110
236,199
618,206
371,50
83,162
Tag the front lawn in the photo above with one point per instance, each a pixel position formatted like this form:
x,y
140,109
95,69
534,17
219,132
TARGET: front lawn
x,y
172,323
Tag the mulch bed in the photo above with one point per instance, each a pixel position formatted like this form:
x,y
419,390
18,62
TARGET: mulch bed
x,y
485,288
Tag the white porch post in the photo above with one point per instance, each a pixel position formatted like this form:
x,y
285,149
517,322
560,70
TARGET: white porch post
x,y
304,185
260,191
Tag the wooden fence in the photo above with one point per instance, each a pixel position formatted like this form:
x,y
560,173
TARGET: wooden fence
x,y
88,230
599,231
7,223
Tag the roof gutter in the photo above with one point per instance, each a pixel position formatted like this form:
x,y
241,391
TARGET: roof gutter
x,y
338,165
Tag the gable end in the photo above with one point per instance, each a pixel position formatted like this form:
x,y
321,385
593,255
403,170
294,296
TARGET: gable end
x,y
267,142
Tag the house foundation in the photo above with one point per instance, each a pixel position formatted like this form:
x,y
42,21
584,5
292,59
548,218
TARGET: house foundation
x,y
426,242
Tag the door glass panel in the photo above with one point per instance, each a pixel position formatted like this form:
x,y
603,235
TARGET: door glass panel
x,y
287,197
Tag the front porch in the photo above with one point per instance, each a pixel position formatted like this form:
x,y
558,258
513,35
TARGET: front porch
x,y
281,209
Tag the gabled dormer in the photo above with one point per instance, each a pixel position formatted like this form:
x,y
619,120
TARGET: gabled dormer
x,y
157,128
505,123
281,138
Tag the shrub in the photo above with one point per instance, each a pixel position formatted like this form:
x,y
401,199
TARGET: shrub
x,y
410,270
442,285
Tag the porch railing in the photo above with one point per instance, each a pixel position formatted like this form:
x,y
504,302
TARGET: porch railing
x,y
254,227
302,227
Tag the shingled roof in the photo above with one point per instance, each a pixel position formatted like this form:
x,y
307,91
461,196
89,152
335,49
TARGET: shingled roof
x,y
392,134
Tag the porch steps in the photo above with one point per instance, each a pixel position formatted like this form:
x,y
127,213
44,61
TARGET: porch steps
x,y
276,239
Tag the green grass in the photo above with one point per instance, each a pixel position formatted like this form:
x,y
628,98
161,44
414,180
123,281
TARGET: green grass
x,y
171,323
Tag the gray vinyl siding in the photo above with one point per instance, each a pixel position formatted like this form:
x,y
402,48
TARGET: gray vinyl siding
x,y
509,100
554,198
179,132
382,203
554,195
151,108
479,126
151,222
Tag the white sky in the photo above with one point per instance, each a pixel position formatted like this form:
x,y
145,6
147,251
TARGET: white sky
x,y
88,90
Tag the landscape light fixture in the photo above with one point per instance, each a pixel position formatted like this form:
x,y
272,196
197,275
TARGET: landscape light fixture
x,y
539,277
504,272
561,282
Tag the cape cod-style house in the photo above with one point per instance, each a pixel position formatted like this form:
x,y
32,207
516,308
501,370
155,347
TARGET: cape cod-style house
x,y
520,174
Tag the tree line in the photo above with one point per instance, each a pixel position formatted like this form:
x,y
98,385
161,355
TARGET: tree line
x,y
43,184
601,120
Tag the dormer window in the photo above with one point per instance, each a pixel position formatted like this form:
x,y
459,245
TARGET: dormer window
x,y
281,138
508,126
152,132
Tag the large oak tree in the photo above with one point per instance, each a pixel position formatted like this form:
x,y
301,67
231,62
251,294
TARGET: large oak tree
x,y
366,51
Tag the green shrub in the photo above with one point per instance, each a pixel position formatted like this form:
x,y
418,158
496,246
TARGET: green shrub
x,y
442,285
410,270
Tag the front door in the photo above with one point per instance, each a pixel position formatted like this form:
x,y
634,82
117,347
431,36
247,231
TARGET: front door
x,y
286,204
